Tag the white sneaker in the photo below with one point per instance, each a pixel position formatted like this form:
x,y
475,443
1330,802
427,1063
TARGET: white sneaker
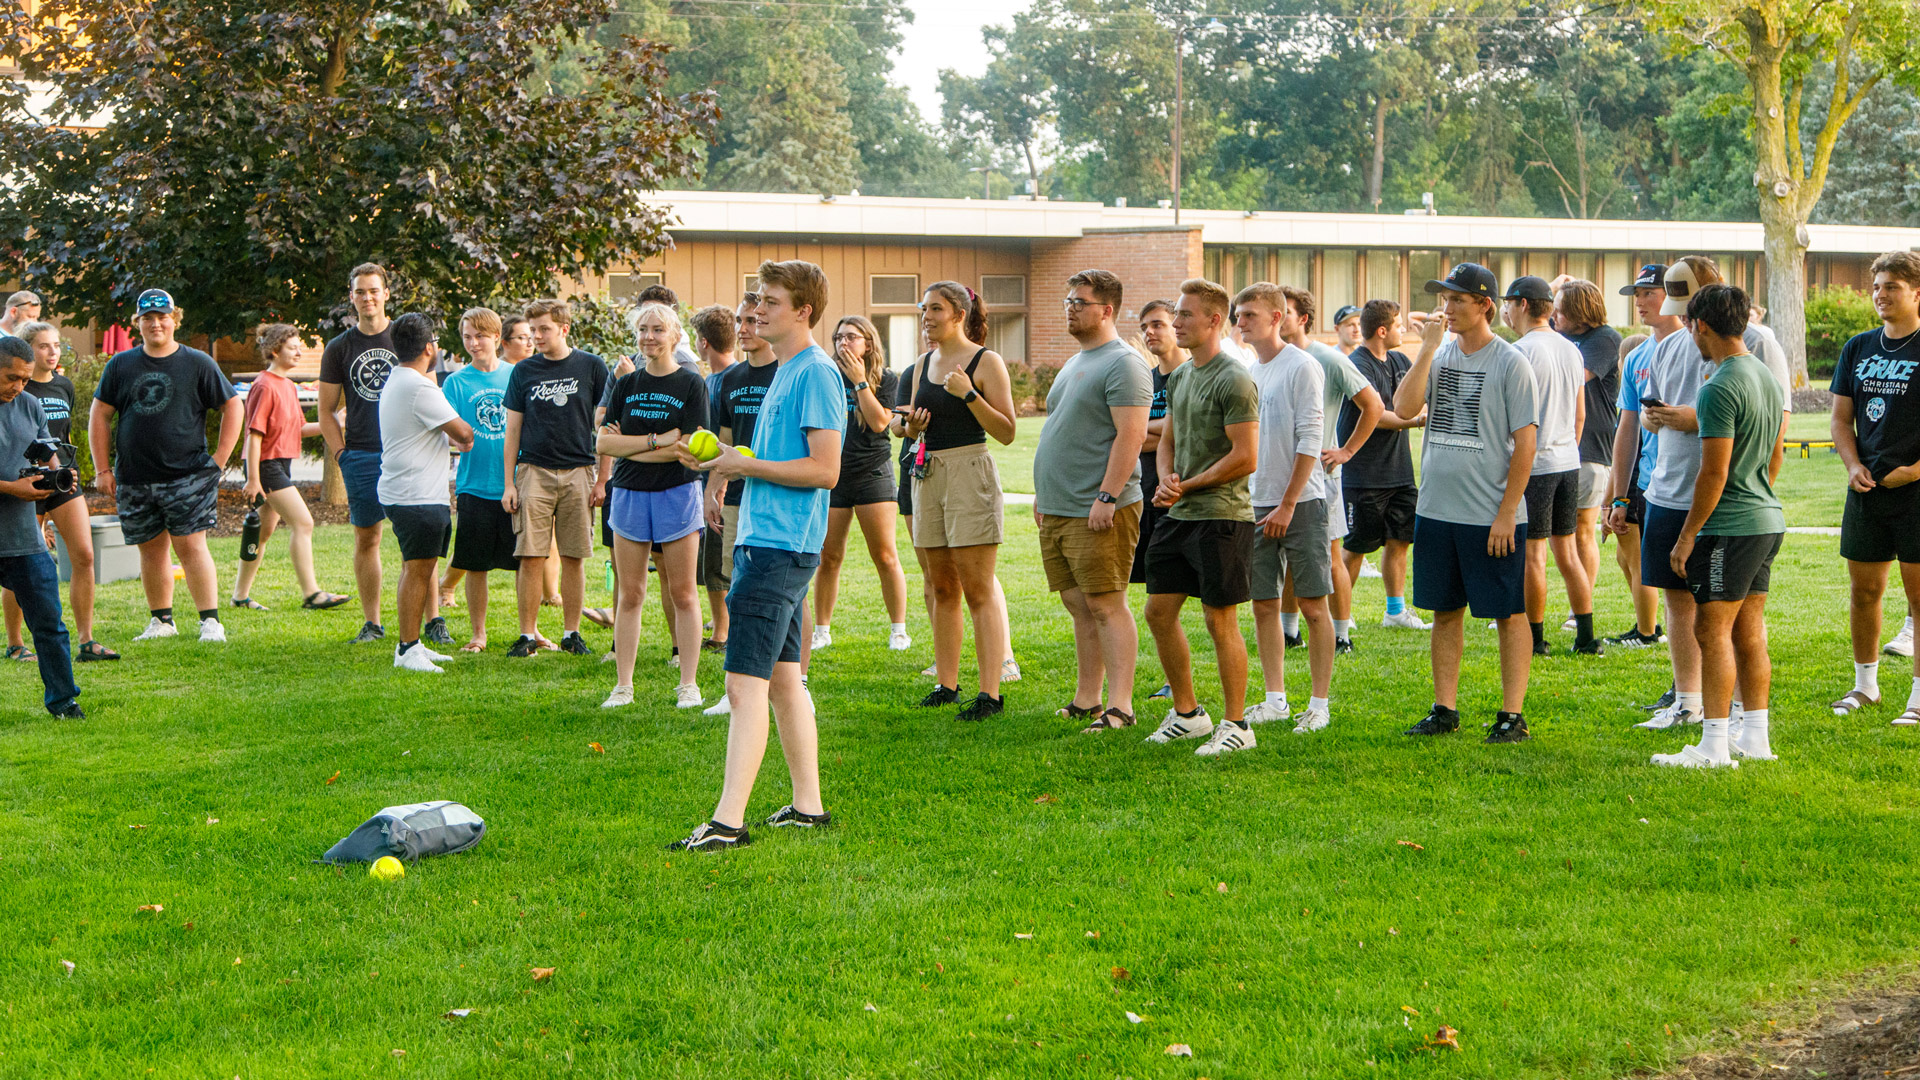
x,y
1571,623
1669,718
414,659
1368,570
1009,670
1175,726
1311,721
723,707
622,695
1266,712
673,659
607,659
687,697
822,637
898,640
1902,643
157,628
1226,739
438,658
1692,757
212,632
1406,620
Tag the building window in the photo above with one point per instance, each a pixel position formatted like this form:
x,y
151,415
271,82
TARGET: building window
x,y
749,283
1383,277
625,285
1003,290
1616,269
1293,266
903,341
1422,267
895,290
1339,284
1007,335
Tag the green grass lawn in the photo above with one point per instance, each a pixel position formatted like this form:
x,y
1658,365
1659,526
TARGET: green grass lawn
x,y
1570,910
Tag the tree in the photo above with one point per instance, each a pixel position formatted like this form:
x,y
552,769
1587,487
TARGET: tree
x,y
1008,104
797,136
252,152
1777,45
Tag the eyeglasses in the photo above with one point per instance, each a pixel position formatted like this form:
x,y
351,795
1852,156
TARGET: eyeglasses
x,y
850,335
1074,303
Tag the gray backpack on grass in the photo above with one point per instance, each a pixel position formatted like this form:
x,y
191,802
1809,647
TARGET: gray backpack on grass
x,y
411,832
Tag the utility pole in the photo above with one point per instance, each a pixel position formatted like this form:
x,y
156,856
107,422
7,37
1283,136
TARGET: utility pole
x,y
1179,107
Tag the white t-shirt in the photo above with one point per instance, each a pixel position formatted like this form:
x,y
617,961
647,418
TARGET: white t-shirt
x,y
414,458
1558,377
1290,387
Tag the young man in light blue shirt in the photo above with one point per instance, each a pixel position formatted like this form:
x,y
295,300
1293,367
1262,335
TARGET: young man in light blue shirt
x,y
795,462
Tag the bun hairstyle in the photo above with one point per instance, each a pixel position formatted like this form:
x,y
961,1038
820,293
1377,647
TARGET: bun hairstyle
x,y
965,300
270,337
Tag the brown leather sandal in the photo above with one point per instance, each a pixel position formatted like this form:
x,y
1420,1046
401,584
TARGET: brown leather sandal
x,y
1110,720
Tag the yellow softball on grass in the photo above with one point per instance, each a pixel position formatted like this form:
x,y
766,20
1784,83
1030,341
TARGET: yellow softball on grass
x,y
704,444
387,868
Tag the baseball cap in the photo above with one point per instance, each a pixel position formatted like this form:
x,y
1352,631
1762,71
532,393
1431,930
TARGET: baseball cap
x,y
1680,283
1347,311
1470,278
1651,276
153,300
1529,288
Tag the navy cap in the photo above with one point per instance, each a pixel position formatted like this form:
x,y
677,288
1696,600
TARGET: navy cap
x,y
1651,276
1347,311
1529,288
1470,278
153,300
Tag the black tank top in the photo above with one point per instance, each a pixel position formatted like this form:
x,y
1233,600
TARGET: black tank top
x,y
953,423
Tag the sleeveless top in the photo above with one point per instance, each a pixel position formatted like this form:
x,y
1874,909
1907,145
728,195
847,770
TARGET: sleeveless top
x,y
953,423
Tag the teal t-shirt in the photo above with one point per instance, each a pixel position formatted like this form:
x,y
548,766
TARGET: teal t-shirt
x,y
480,399
1742,401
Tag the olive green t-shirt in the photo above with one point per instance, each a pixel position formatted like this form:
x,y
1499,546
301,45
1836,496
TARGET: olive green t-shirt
x,y
1201,402
1742,401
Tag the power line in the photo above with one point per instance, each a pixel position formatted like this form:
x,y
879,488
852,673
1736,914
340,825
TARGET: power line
x,y
1147,19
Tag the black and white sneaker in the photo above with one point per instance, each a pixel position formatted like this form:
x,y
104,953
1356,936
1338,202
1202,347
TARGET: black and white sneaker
x,y
1509,727
1664,701
575,644
788,818
1634,639
435,632
940,695
1590,648
983,707
712,836
369,632
1295,641
524,647
1198,725
70,711
1439,721
1342,646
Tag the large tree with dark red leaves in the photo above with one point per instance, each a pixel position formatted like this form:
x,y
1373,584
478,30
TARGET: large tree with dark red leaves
x,y
245,154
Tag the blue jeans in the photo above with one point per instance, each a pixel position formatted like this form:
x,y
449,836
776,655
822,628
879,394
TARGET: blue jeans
x,y
36,585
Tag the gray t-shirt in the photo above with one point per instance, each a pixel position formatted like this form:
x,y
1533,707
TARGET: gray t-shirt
x,y
21,422
1475,402
1674,377
1557,378
1071,460
1343,380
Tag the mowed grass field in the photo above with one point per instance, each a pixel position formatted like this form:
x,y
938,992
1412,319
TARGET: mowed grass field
x,y
996,898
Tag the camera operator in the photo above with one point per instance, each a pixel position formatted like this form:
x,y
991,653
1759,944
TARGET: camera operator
x,y
25,566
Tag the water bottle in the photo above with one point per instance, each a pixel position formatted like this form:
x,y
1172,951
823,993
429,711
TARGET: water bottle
x,y
250,533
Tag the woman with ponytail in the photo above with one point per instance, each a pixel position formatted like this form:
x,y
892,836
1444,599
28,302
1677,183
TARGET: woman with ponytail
x,y
960,394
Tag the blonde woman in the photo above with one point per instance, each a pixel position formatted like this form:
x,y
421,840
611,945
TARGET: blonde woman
x,y
866,489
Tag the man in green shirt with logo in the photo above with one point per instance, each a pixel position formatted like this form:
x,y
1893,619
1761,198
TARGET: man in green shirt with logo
x,y
1732,532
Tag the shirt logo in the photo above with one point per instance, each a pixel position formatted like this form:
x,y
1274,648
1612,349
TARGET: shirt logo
x,y
1876,408
1455,417
55,408
152,393
490,413
367,373
555,391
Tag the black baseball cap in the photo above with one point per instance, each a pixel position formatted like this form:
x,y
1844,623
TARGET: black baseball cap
x,y
1651,276
1529,288
1347,311
153,300
1470,278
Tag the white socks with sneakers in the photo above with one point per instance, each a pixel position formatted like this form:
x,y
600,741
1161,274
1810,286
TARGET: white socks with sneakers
x,y
1277,697
1342,628
1687,702
1913,696
1318,704
1866,679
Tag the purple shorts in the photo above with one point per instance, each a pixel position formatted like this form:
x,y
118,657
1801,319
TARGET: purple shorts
x,y
655,517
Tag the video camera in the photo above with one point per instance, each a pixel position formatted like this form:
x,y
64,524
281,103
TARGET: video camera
x,y
45,469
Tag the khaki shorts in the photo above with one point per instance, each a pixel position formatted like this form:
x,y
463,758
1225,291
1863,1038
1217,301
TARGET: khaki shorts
x,y
1596,480
555,509
729,532
958,503
1076,557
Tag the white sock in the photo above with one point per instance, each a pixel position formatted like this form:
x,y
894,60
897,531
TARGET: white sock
x,y
1318,703
823,626
1753,735
899,628
1687,702
1290,623
1866,679
1341,628
1913,696
1713,739
1739,711
1907,627
1277,697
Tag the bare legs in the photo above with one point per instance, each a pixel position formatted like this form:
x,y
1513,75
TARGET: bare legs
x,y
1449,645
747,741
1106,644
877,527
1176,660
966,574
156,571
677,561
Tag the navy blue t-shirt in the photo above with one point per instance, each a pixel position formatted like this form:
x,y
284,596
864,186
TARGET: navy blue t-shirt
x,y
742,387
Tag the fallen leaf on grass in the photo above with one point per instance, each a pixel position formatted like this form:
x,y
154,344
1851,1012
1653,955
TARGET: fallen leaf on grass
x,y
155,908
941,968
1410,1009
1644,821
1133,1018
1122,973
870,1007
1446,1036
189,926
1394,931
1220,888
213,821
330,780
68,964
540,974
1045,798
1411,844
1093,933
236,961
136,826
1180,1050
399,1053
1024,937
456,1014
596,748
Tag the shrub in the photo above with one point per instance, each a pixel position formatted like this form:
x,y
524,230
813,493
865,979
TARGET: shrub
x,y
1043,376
1834,314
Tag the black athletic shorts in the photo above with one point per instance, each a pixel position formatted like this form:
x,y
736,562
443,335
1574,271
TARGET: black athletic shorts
x,y
1452,570
1881,525
1212,560
54,501
1637,506
1150,515
1658,534
1377,515
1730,568
422,530
1553,504
871,485
484,541
276,473
905,498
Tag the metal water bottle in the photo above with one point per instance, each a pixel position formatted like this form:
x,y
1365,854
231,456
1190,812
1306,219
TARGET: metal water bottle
x,y
250,533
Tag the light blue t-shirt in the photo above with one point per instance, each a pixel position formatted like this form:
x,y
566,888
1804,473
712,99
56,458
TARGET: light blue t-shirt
x,y
806,395
480,399
1633,379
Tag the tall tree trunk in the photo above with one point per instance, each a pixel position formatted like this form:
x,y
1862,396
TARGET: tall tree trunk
x,y
1783,215
1377,175
333,486
1786,287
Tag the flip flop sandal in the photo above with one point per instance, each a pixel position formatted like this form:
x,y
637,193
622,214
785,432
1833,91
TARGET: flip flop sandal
x,y
323,600
93,650
20,652
1851,701
1075,712
1110,720
598,616
249,603
711,645
474,646
1908,718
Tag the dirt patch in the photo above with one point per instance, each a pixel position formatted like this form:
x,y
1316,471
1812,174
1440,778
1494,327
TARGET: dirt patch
x,y
1876,1036
231,509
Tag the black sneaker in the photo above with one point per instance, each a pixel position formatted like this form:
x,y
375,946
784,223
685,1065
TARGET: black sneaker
x,y
435,632
1634,639
788,818
524,647
1165,691
983,707
574,644
1342,646
70,711
1591,648
712,836
1541,648
1664,700
372,631
1509,727
1438,722
1295,641
940,695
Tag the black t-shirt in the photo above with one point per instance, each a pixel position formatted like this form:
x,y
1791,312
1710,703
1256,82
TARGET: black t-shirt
x,y
162,404
1385,460
1600,355
1150,459
1877,373
555,400
359,364
741,388
56,400
644,404
864,448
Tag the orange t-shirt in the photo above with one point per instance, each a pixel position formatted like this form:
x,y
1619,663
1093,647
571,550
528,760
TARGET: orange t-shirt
x,y
273,410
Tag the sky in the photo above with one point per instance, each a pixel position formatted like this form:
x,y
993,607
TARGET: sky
x,y
946,34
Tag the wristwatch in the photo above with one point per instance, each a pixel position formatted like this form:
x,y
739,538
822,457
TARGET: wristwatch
x,y
971,395
857,387
1106,497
